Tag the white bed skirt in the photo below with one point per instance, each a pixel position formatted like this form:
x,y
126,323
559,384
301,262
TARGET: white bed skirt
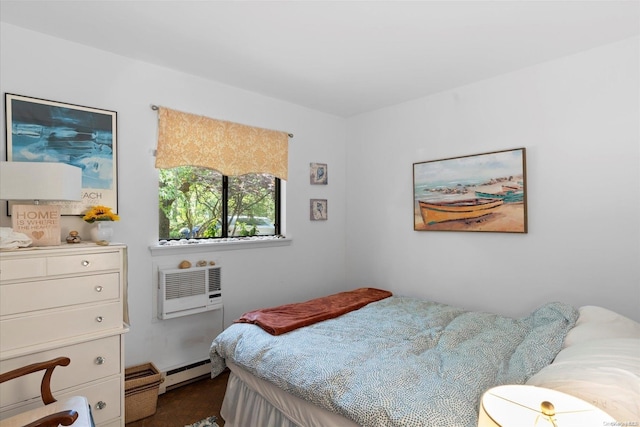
x,y
243,407
251,401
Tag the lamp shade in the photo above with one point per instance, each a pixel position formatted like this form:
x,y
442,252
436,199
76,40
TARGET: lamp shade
x,y
40,181
530,406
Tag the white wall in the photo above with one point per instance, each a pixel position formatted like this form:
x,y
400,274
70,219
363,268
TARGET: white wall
x,y
578,118
40,66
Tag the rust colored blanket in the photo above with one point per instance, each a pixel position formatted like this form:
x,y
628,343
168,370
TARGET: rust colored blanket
x,y
286,318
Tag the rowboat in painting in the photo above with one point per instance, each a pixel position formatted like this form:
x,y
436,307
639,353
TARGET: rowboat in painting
x,y
434,212
511,188
506,196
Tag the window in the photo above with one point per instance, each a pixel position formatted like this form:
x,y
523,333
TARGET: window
x,y
217,178
193,201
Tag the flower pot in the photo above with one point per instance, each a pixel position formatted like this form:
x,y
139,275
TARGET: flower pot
x,y
102,231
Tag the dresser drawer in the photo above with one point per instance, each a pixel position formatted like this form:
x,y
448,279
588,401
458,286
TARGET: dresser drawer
x,y
25,331
105,400
108,392
90,361
89,262
112,423
22,268
30,296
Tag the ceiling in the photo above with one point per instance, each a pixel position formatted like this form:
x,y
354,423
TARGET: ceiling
x,y
339,57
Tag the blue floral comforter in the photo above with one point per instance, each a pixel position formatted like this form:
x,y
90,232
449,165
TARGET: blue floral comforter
x,y
400,361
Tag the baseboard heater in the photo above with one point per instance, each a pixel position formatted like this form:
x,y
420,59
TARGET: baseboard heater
x,y
184,375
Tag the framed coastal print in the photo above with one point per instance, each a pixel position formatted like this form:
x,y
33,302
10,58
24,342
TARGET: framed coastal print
x,y
480,192
318,173
40,130
318,209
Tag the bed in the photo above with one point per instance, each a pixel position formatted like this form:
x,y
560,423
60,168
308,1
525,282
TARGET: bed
x,y
400,361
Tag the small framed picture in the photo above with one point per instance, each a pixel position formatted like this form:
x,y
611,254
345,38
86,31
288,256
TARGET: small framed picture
x,y
318,172
318,210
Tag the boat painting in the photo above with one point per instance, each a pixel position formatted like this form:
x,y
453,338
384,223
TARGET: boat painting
x,y
483,192
468,209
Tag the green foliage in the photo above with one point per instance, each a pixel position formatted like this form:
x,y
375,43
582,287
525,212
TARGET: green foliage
x,y
191,201
246,230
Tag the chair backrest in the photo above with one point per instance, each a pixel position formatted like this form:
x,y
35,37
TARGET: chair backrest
x,y
48,366
66,417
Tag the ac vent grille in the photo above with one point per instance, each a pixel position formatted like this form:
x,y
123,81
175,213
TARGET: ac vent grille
x,y
214,280
180,285
188,291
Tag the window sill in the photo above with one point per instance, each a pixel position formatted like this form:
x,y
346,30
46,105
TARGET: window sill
x,y
214,245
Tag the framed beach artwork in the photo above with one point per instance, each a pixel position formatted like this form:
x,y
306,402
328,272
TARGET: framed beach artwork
x,y
40,130
318,174
480,192
318,210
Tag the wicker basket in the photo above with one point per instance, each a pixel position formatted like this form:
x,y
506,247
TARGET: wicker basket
x,y
141,385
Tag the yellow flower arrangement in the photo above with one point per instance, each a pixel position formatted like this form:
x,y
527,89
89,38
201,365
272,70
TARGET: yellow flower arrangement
x,y
100,213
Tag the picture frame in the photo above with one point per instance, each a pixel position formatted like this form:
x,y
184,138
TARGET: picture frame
x,y
479,192
318,210
39,130
318,174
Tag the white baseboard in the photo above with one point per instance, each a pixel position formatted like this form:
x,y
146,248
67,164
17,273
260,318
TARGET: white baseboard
x,y
176,377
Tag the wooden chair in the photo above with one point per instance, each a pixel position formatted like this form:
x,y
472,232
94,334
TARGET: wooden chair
x,y
73,411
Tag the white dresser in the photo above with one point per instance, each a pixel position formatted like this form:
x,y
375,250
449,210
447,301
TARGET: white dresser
x,y
66,300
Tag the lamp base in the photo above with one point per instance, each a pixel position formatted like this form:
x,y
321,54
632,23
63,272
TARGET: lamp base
x,y
41,223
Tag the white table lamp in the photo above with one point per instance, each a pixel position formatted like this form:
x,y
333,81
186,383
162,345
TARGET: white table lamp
x,y
36,181
530,406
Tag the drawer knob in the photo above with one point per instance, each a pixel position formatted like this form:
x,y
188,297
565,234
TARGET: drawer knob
x,y
98,288
99,319
85,263
100,360
101,405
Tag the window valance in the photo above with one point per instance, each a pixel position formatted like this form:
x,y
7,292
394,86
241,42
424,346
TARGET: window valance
x,y
230,148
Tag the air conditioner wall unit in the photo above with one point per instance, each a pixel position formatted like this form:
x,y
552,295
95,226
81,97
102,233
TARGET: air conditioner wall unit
x,y
188,291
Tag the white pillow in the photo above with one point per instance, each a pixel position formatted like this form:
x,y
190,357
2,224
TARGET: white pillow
x,y
605,373
599,323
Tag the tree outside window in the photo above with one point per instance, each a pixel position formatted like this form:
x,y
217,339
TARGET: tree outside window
x,y
193,201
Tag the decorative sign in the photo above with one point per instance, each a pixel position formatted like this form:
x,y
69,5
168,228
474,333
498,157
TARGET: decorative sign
x,y
40,223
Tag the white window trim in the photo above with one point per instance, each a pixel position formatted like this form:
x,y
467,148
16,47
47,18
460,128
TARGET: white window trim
x,y
192,246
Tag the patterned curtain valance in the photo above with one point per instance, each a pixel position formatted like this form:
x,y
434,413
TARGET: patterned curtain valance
x,y
230,148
